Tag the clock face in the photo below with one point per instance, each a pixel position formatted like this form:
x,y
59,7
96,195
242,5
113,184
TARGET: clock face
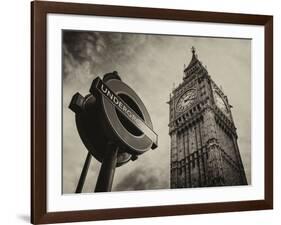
x,y
220,102
186,100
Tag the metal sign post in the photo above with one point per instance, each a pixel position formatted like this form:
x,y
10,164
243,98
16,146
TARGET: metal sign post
x,y
83,173
105,178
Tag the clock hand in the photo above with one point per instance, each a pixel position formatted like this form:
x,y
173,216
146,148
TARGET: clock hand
x,y
189,98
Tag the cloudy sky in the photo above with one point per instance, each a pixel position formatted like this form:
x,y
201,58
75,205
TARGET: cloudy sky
x,y
150,64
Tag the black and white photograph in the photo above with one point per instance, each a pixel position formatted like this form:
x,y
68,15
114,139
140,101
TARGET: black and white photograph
x,y
151,112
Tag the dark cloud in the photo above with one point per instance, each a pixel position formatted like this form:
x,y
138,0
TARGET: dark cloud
x,y
142,179
99,49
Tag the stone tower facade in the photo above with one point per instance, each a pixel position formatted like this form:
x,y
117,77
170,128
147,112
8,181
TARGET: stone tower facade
x,y
204,149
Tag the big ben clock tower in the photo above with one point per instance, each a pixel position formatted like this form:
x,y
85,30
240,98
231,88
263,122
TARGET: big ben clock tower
x,y
204,149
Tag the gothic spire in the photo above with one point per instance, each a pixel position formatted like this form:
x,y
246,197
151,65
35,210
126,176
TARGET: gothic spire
x,y
193,51
194,64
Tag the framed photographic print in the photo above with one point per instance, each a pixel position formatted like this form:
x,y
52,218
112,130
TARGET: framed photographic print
x,y
143,112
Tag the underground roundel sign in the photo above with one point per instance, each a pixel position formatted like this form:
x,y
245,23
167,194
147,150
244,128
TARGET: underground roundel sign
x,y
126,119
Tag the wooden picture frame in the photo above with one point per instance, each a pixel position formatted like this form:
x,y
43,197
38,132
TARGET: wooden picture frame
x,y
39,12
